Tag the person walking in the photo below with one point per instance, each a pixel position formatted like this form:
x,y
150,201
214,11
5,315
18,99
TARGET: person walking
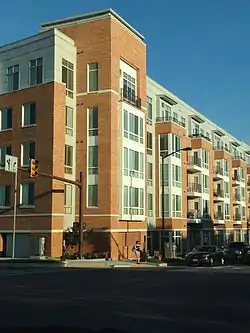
x,y
137,251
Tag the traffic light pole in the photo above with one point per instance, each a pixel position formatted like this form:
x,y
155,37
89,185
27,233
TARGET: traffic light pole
x,y
14,217
80,186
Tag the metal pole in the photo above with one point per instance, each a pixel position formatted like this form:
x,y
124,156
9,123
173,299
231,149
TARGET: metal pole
x,y
80,215
14,217
162,207
131,184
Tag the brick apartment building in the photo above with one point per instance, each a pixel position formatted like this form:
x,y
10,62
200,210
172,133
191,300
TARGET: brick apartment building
x,y
76,97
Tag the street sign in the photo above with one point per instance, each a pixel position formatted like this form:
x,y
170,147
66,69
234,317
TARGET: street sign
x,y
11,163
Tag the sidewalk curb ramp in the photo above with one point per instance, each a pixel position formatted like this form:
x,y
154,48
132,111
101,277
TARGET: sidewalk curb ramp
x,y
32,263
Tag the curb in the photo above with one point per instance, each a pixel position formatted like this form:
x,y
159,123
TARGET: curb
x,y
34,265
120,266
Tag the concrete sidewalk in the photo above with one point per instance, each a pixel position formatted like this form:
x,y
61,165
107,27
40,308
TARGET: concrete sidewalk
x,y
109,264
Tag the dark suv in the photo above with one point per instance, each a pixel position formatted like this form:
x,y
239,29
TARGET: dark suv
x,y
237,252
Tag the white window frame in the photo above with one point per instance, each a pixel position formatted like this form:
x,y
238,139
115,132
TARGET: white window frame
x,y
68,165
176,175
69,67
89,71
24,109
29,153
68,198
176,201
89,204
26,205
2,112
12,75
36,66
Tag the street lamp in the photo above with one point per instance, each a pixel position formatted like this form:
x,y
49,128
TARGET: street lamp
x,y
163,156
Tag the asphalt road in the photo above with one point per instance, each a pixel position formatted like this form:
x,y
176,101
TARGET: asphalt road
x,y
133,300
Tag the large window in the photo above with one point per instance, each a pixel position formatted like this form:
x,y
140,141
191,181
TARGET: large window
x,y
27,194
150,204
93,77
205,181
164,143
176,174
69,121
205,159
68,198
129,87
93,195
150,174
226,189
176,145
5,119
93,121
149,143
133,201
36,71
176,205
133,127
28,114
4,150
149,110
69,159
92,160
165,173
68,77
4,196
13,78
133,163
166,205
28,151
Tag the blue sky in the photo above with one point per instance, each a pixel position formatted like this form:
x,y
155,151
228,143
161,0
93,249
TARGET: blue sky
x,y
198,49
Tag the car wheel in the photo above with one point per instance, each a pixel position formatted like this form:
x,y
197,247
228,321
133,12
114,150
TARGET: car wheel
x,y
211,261
222,261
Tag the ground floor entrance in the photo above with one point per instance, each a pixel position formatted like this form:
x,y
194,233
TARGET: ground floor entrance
x,y
185,240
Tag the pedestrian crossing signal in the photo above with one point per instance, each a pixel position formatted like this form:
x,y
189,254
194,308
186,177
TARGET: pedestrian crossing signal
x,y
33,169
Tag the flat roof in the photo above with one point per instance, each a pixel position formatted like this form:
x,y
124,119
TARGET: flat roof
x,y
90,16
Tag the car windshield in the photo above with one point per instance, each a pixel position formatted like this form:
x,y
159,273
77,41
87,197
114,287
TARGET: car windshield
x,y
204,249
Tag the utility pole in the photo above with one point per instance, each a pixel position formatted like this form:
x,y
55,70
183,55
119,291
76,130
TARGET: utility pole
x,y
80,186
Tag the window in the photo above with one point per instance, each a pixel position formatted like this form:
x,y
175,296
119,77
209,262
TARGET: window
x,y
134,200
93,195
149,143
68,160
242,193
226,168
133,127
36,71
205,208
13,78
6,119
164,144
227,211
93,160
129,88
176,201
205,181
69,121
28,151
27,194
165,173
183,121
149,109
5,150
150,204
243,213
68,200
176,173
4,196
93,77
141,165
93,121
150,174
242,176
226,189
141,201
28,114
126,200
68,77
176,145
205,159
165,111
166,205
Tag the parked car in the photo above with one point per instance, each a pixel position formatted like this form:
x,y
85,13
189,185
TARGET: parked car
x,y
237,252
205,255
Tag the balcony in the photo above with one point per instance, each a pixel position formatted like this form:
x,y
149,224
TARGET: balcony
x,y
129,97
219,218
194,190
194,164
236,199
237,219
199,136
236,180
169,118
218,173
194,216
218,195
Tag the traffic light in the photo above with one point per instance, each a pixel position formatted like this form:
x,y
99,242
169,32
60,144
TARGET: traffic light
x,y
33,169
